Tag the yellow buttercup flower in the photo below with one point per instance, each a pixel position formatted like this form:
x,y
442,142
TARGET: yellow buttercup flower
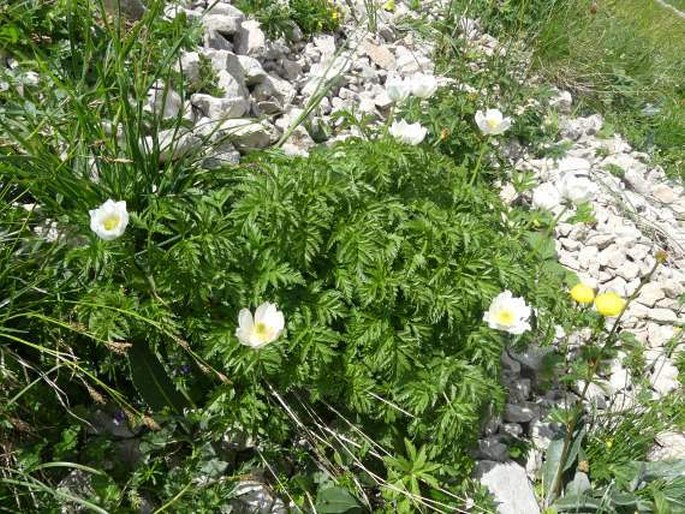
x,y
582,293
609,304
389,6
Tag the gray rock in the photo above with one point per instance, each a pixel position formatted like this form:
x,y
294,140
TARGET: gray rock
x,y
219,108
223,24
77,483
163,102
613,257
232,88
668,446
663,315
379,54
255,497
244,133
299,143
532,359
173,11
213,40
520,389
491,449
542,433
588,258
252,69
512,429
291,69
575,165
510,365
637,182
508,483
664,194
325,43
628,270
225,9
273,94
224,60
250,40
189,65
563,102
659,335
518,413
665,376
174,144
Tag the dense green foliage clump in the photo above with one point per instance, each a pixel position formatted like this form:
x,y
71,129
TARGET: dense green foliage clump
x,y
123,354
279,18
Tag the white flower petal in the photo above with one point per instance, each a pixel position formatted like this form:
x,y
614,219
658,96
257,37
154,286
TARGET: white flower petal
x,y
245,321
266,327
109,221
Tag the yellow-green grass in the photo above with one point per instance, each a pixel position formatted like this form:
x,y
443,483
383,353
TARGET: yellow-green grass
x,y
627,59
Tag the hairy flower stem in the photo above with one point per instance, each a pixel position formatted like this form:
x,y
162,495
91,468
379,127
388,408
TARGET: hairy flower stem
x,y
476,169
388,121
572,423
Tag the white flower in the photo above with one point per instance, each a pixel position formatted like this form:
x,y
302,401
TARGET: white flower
x,y
492,122
508,314
546,197
265,328
408,133
109,220
397,89
423,86
576,189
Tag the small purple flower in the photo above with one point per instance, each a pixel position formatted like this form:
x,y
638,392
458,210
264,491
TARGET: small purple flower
x,y
185,369
118,417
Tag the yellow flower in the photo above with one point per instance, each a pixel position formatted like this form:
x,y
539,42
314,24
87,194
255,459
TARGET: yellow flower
x,y
609,304
390,6
582,293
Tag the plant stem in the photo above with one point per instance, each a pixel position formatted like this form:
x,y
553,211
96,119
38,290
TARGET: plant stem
x,y
555,490
476,169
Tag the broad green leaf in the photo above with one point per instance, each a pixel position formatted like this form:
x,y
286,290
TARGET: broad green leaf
x,y
550,468
577,503
152,380
336,500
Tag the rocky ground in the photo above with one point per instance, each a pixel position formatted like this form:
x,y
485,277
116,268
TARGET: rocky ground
x,y
267,87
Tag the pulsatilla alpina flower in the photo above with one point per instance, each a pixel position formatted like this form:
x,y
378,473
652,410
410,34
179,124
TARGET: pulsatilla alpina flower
x,y
408,133
609,304
583,293
109,220
492,122
423,85
508,314
266,326
397,88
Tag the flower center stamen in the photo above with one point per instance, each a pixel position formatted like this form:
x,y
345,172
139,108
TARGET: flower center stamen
x,y
110,222
261,330
505,317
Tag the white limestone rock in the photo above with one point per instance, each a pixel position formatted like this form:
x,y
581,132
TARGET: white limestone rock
x,y
250,39
668,445
163,102
252,69
219,108
509,484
